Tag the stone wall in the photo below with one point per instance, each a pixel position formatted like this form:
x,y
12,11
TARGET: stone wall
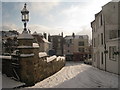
x,y
35,68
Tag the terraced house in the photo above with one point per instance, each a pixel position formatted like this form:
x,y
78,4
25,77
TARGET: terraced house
x,y
106,38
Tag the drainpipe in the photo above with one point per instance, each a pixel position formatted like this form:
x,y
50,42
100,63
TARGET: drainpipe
x,y
104,43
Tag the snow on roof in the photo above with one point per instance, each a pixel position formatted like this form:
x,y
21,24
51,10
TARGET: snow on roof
x,y
40,34
42,54
35,45
49,59
10,83
27,55
25,36
35,33
5,57
45,40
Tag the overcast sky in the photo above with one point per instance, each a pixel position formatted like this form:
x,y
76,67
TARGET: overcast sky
x,y
53,17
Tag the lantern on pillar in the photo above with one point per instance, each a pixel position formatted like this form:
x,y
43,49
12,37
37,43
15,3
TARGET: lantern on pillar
x,y
25,16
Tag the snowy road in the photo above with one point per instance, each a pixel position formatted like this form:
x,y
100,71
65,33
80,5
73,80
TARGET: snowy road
x,y
79,75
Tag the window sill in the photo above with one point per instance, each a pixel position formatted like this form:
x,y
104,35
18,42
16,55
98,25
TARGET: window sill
x,y
112,59
115,38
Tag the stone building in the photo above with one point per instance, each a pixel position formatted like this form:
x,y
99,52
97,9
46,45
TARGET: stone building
x,y
77,47
106,38
57,44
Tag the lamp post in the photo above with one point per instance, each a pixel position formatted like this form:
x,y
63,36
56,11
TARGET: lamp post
x,y
25,17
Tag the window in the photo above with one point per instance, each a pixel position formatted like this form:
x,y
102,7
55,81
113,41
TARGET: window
x,y
51,40
102,58
94,42
113,34
70,40
94,57
68,45
101,20
101,38
112,49
81,49
81,43
59,40
81,37
95,28
98,39
59,45
118,33
68,51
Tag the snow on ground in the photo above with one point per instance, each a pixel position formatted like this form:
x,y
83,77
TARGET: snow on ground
x,y
79,75
10,83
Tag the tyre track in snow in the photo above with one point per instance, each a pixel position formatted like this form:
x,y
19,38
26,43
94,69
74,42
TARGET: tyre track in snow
x,y
91,77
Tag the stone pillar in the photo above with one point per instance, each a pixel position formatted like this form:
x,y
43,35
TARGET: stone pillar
x,y
26,72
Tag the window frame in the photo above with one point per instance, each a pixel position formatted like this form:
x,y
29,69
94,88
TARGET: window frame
x,y
102,58
112,56
81,49
83,43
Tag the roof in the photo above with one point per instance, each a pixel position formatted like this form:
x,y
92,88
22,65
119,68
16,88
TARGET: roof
x,y
98,13
35,33
40,34
92,23
45,40
77,37
56,36
25,35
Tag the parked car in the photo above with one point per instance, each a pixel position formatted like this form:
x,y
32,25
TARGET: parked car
x,y
88,61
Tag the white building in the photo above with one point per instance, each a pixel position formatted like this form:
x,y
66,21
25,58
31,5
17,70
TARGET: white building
x,y
77,46
106,37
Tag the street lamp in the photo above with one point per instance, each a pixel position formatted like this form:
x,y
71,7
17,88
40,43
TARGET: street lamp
x,y
25,17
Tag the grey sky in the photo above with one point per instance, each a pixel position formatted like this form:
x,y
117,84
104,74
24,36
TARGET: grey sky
x,y
53,17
